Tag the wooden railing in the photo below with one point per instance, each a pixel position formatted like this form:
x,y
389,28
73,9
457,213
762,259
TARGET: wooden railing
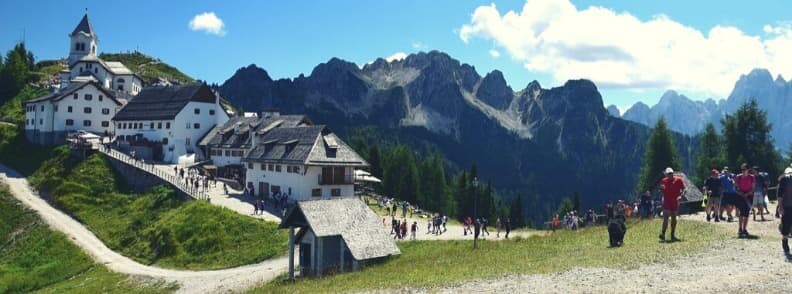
x,y
169,177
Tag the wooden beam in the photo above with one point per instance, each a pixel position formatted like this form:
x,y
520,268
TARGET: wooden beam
x,y
291,253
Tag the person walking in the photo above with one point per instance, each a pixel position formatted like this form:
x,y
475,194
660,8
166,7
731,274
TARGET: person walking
x,y
554,223
507,226
255,207
713,187
759,192
672,187
784,194
476,229
498,225
729,195
413,230
746,184
484,224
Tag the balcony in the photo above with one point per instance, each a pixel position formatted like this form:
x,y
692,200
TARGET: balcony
x,y
337,180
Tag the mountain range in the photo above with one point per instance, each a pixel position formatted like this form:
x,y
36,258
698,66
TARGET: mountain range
x,y
689,117
543,143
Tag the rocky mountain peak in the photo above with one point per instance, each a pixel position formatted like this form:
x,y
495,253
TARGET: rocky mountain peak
x,y
334,66
252,73
494,91
613,111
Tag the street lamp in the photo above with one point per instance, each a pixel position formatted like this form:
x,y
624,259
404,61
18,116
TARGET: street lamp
x,y
475,209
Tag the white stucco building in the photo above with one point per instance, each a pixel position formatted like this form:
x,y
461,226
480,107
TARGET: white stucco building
x,y
165,123
91,91
284,154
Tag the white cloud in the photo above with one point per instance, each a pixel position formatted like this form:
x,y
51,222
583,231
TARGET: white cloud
x,y
618,50
494,53
396,56
209,23
419,46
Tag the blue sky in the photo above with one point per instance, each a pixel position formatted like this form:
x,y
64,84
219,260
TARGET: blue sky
x,y
288,38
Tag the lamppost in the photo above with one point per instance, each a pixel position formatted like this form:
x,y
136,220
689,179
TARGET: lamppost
x,y
475,209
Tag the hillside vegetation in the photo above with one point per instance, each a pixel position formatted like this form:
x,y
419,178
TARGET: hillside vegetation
x,y
438,263
147,67
33,257
156,227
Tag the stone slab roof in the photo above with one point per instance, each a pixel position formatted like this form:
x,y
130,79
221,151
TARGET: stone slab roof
x,y
359,227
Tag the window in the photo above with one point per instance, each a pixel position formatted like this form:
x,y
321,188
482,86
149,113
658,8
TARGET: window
x,y
335,192
56,108
316,193
270,167
250,165
96,70
69,109
288,169
120,87
105,110
75,96
69,122
278,168
164,141
197,111
211,111
120,81
105,123
262,166
41,121
151,125
228,153
87,110
88,97
86,123
167,125
196,126
296,169
100,97
42,107
159,125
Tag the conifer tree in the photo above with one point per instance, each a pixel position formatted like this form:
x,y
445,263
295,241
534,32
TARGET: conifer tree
x,y
660,153
747,138
710,155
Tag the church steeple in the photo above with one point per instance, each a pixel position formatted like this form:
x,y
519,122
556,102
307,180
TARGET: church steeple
x,y
84,41
84,26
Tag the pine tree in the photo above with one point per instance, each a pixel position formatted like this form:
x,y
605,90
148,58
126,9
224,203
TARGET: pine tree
x,y
710,155
401,174
375,165
516,212
747,138
660,153
576,201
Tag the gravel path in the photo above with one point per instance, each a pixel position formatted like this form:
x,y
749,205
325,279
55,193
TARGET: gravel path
x,y
226,280
731,265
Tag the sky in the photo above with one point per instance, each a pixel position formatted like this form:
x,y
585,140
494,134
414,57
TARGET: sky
x,y
633,50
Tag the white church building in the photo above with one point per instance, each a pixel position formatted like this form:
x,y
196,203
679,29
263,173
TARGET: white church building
x,y
90,93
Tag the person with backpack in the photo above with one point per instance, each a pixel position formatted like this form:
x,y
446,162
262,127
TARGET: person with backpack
x,y
713,187
784,195
746,184
673,188
759,192
729,194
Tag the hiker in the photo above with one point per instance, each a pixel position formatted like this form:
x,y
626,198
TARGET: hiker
x,y
729,192
672,187
759,192
413,229
175,170
255,207
393,209
507,226
784,195
713,188
405,205
403,229
445,223
497,228
394,224
646,205
484,224
554,223
746,184
225,188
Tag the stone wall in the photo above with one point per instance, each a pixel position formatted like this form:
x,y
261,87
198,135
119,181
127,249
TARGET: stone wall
x,y
139,180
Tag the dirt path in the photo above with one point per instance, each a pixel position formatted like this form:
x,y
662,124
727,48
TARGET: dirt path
x,y
731,265
226,280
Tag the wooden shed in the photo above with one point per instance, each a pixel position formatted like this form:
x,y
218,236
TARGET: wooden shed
x,y
335,235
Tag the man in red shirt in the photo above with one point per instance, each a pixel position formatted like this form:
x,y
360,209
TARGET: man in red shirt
x,y
672,187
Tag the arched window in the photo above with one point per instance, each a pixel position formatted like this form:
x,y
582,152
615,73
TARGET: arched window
x,y
93,49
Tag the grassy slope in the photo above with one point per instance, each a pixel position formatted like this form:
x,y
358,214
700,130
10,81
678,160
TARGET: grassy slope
x,y
32,257
12,109
156,227
437,263
147,67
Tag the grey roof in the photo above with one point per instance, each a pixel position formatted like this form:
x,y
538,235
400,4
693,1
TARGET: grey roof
x,y
359,227
84,26
302,145
159,102
225,136
331,150
75,86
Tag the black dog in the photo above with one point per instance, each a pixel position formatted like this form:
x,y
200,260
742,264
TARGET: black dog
x,y
616,231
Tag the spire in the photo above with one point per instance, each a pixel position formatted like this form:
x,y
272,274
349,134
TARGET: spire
x,y
84,26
